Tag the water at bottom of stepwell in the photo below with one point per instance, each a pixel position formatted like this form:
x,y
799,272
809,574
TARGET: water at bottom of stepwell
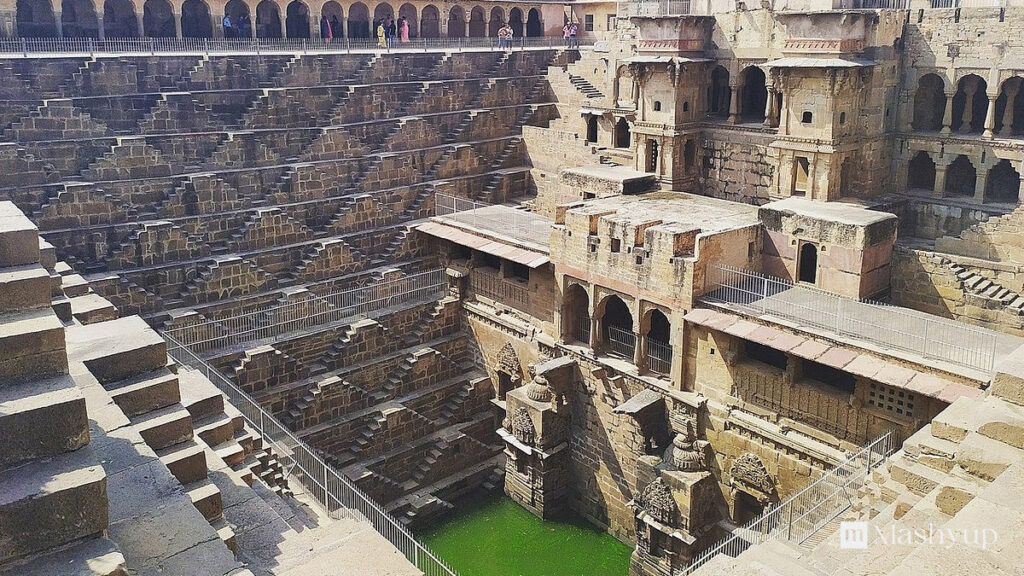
x,y
490,535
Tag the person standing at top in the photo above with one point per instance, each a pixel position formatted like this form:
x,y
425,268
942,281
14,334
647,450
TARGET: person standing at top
x,y
228,31
382,39
325,28
404,28
565,34
502,36
391,32
573,30
509,37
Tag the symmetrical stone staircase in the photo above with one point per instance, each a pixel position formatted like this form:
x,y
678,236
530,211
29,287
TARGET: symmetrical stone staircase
x,y
973,282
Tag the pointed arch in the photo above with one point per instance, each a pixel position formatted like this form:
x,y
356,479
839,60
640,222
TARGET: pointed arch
x,y
408,11
268,20
335,15
430,22
456,22
970,104
35,19
515,21
534,25
754,95
961,177
195,20
497,20
929,103
158,19
1003,183
78,19
358,21
719,92
119,19
921,172
296,21
576,315
382,11
477,23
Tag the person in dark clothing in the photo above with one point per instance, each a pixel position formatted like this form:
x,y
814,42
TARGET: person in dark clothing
x,y
336,26
391,32
325,28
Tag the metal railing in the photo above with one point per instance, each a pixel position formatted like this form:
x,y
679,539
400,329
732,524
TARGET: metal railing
x,y
804,513
311,311
91,46
510,222
332,489
659,356
938,4
581,329
621,342
495,287
893,327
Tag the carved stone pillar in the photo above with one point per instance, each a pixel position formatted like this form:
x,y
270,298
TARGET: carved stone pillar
x,y
940,180
990,117
769,107
947,115
177,22
979,188
734,104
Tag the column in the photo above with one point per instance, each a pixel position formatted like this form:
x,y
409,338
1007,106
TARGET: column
x,y
1020,190
1011,90
595,333
99,24
990,117
639,356
141,24
947,115
59,22
979,187
809,194
769,107
965,123
940,180
908,111
734,104
177,21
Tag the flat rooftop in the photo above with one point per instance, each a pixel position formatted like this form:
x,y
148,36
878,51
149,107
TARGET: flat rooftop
x,y
851,213
683,211
500,230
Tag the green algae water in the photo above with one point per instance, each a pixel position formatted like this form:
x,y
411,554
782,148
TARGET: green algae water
x,y
490,535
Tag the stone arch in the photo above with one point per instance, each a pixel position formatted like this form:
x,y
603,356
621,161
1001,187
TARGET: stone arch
x,y
235,9
591,121
846,178
617,326
515,21
1003,183
496,21
119,19
921,172
719,92
576,314
409,12
430,22
158,19
477,23
961,177
508,370
195,20
754,94
296,21
534,24
657,329
78,19
807,263
382,11
970,104
456,22
748,472
35,19
1010,107
929,103
268,20
358,21
335,15
622,133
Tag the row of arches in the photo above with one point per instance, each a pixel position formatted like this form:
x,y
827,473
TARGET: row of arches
x,y
751,102
961,178
965,109
78,18
611,329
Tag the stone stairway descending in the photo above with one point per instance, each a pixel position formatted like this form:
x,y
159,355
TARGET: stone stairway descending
x,y
958,473
53,489
585,87
977,284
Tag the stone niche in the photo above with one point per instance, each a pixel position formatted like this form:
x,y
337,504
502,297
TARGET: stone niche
x,y
535,432
839,247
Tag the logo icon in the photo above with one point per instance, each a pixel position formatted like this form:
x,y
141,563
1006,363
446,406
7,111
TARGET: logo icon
x,y
853,535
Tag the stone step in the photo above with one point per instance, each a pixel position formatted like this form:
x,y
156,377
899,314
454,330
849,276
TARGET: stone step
x,y
918,478
46,503
118,349
19,237
24,287
231,453
206,498
146,392
92,557
201,404
43,418
92,308
74,285
215,430
31,346
226,534
185,460
164,427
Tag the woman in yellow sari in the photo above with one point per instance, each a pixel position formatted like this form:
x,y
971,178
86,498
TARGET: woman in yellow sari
x,y
382,41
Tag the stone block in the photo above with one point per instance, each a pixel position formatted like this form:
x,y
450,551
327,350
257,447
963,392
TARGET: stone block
x,y
46,503
19,237
31,346
40,419
145,393
24,287
164,427
117,349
